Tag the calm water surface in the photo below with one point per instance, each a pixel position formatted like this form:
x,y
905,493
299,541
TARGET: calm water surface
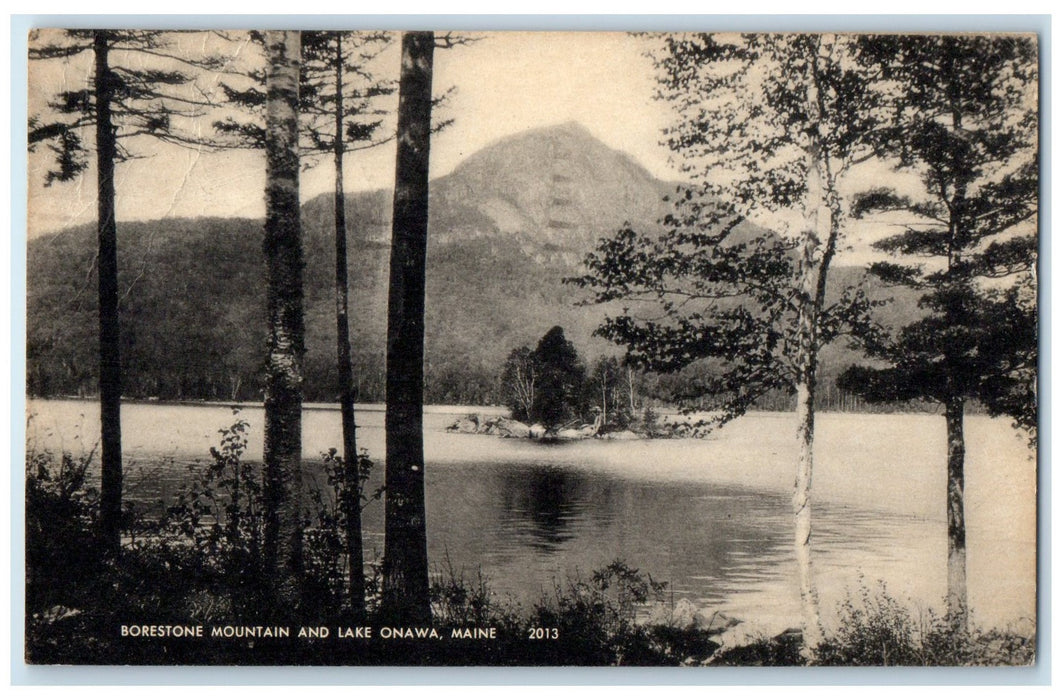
x,y
711,517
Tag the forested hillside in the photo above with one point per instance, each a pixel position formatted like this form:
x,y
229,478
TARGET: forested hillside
x,y
507,226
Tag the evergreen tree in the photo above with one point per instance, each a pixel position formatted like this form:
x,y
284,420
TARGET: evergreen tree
x,y
965,120
136,90
561,378
405,564
328,96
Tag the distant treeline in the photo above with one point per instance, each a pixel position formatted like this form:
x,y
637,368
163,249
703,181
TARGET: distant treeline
x,y
451,388
191,323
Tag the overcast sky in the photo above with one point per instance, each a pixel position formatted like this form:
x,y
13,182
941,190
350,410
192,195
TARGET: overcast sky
x,y
505,83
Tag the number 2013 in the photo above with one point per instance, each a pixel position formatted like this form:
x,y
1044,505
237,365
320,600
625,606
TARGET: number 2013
x,y
543,633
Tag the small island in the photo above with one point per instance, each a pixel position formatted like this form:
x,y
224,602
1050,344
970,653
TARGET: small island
x,y
551,397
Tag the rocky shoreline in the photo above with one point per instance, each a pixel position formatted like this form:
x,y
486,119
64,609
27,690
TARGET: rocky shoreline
x,y
500,426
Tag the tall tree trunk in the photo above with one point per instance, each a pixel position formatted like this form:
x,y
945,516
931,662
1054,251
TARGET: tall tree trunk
x,y
630,388
809,599
806,366
110,359
957,609
823,217
954,406
283,254
604,400
351,476
405,565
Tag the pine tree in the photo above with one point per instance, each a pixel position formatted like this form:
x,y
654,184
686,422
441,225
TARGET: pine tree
x,y
561,378
405,564
136,89
965,119
328,97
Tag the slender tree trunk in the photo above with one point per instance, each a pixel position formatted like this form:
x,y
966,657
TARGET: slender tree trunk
x,y
957,609
809,599
604,400
630,388
806,365
405,565
110,359
283,253
823,216
351,477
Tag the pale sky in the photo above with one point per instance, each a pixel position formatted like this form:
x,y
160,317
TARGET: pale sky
x,y
505,84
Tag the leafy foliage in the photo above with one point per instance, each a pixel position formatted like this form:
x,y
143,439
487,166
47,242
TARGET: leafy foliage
x,y
965,121
878,630
61,512
218,515
715,285
519,381
609,393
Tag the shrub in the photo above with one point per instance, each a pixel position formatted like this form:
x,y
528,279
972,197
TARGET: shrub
x,y
62,547
879,631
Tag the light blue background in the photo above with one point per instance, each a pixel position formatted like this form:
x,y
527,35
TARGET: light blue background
x,y
21,674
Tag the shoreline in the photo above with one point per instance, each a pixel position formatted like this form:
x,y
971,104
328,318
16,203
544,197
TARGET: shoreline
x,y
665,413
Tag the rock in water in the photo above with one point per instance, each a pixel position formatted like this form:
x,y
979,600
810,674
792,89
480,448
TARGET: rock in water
x,y
504,427
516,429
713,621
468,424
684,615
623,435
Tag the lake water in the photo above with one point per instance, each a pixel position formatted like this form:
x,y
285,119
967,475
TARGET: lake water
x,y
709,516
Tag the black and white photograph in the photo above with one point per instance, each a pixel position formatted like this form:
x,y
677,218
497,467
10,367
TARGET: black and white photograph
x,y
361,347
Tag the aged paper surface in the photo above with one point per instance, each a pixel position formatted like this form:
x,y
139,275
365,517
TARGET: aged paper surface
x,y
616,396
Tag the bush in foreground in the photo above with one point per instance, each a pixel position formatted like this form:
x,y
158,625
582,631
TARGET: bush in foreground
x,y
877,630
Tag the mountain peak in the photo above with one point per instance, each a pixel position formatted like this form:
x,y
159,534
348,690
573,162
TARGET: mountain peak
x,y
572,127
557,183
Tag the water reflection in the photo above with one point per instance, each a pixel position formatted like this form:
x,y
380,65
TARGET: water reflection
x,y
544,500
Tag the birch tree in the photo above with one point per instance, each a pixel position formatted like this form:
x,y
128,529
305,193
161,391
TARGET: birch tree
x,y
766,126
519,378
282,453
338,113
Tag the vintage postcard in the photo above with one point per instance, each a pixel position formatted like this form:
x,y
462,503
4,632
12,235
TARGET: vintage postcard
x,y
351,348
